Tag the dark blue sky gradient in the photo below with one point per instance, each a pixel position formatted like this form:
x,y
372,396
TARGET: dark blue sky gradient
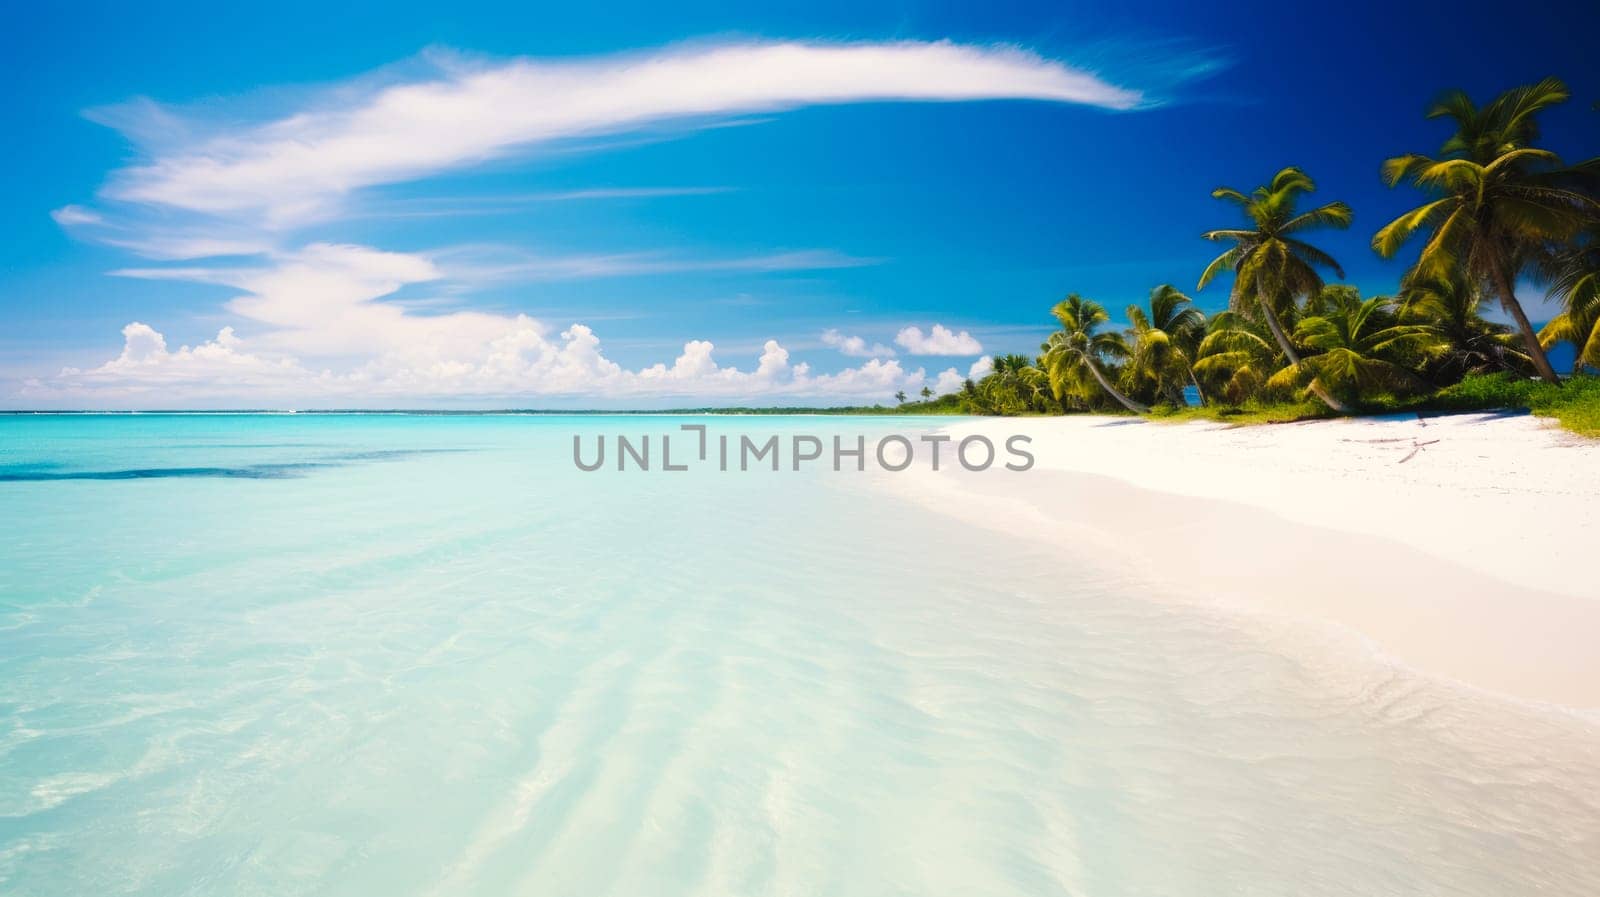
x,y
982,214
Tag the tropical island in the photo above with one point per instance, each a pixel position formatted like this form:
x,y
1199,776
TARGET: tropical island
x,y
1495,210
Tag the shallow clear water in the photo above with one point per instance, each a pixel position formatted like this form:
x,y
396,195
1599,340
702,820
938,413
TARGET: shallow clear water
x,y
366,655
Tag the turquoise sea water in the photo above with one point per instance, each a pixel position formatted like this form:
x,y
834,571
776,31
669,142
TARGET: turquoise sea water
x,y
393,655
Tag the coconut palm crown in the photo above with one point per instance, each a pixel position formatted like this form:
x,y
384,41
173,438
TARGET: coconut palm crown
x,y
1166,340
1080,347
1497,202
1271,262
1361,347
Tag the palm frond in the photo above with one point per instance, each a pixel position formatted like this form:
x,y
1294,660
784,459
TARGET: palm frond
x,y
1291,180
1223,262
1402,167
1312,255
1393,235
1334,214
1234,234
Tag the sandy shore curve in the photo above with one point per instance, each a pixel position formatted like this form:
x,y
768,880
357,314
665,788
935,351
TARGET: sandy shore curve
x,y
1458,545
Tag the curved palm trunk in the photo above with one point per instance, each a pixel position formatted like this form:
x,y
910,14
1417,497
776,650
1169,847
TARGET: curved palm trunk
x,y
1112,391
1196,381
1294,359
1530,340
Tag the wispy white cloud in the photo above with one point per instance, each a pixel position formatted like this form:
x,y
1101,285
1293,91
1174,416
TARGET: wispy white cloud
x,y
490,263
505,204
301,166
623,193
854,346
354,323
941,340
163,237
74,215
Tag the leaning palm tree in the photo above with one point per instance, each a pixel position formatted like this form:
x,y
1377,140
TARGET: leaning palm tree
x,y
900,397
1165,342
1272,266
1576,282
1361,348
1497,201
1080,348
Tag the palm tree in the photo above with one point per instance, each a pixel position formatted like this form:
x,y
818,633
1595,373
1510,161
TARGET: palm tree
x,y
1079,348
1498,200
1238,354
1015,385
1165,343
926,393
1576,282
1470,343
900,397
972,398
1360,348
1331,298
997,389
1272,267
1510,121
1029,382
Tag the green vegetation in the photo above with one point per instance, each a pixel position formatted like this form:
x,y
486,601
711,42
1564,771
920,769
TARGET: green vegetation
x,y
1498,210
1271,265
1501,201
1575,403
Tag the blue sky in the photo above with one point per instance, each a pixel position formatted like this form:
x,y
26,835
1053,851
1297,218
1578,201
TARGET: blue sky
x,y
414,204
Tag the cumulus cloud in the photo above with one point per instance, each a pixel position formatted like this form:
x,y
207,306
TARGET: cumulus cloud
x,y
299,166
327,334
521,363
951,380
324,330
147,369
319,301
854,346
941,340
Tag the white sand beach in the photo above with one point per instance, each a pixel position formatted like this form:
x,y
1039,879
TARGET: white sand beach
x,y
1457,545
